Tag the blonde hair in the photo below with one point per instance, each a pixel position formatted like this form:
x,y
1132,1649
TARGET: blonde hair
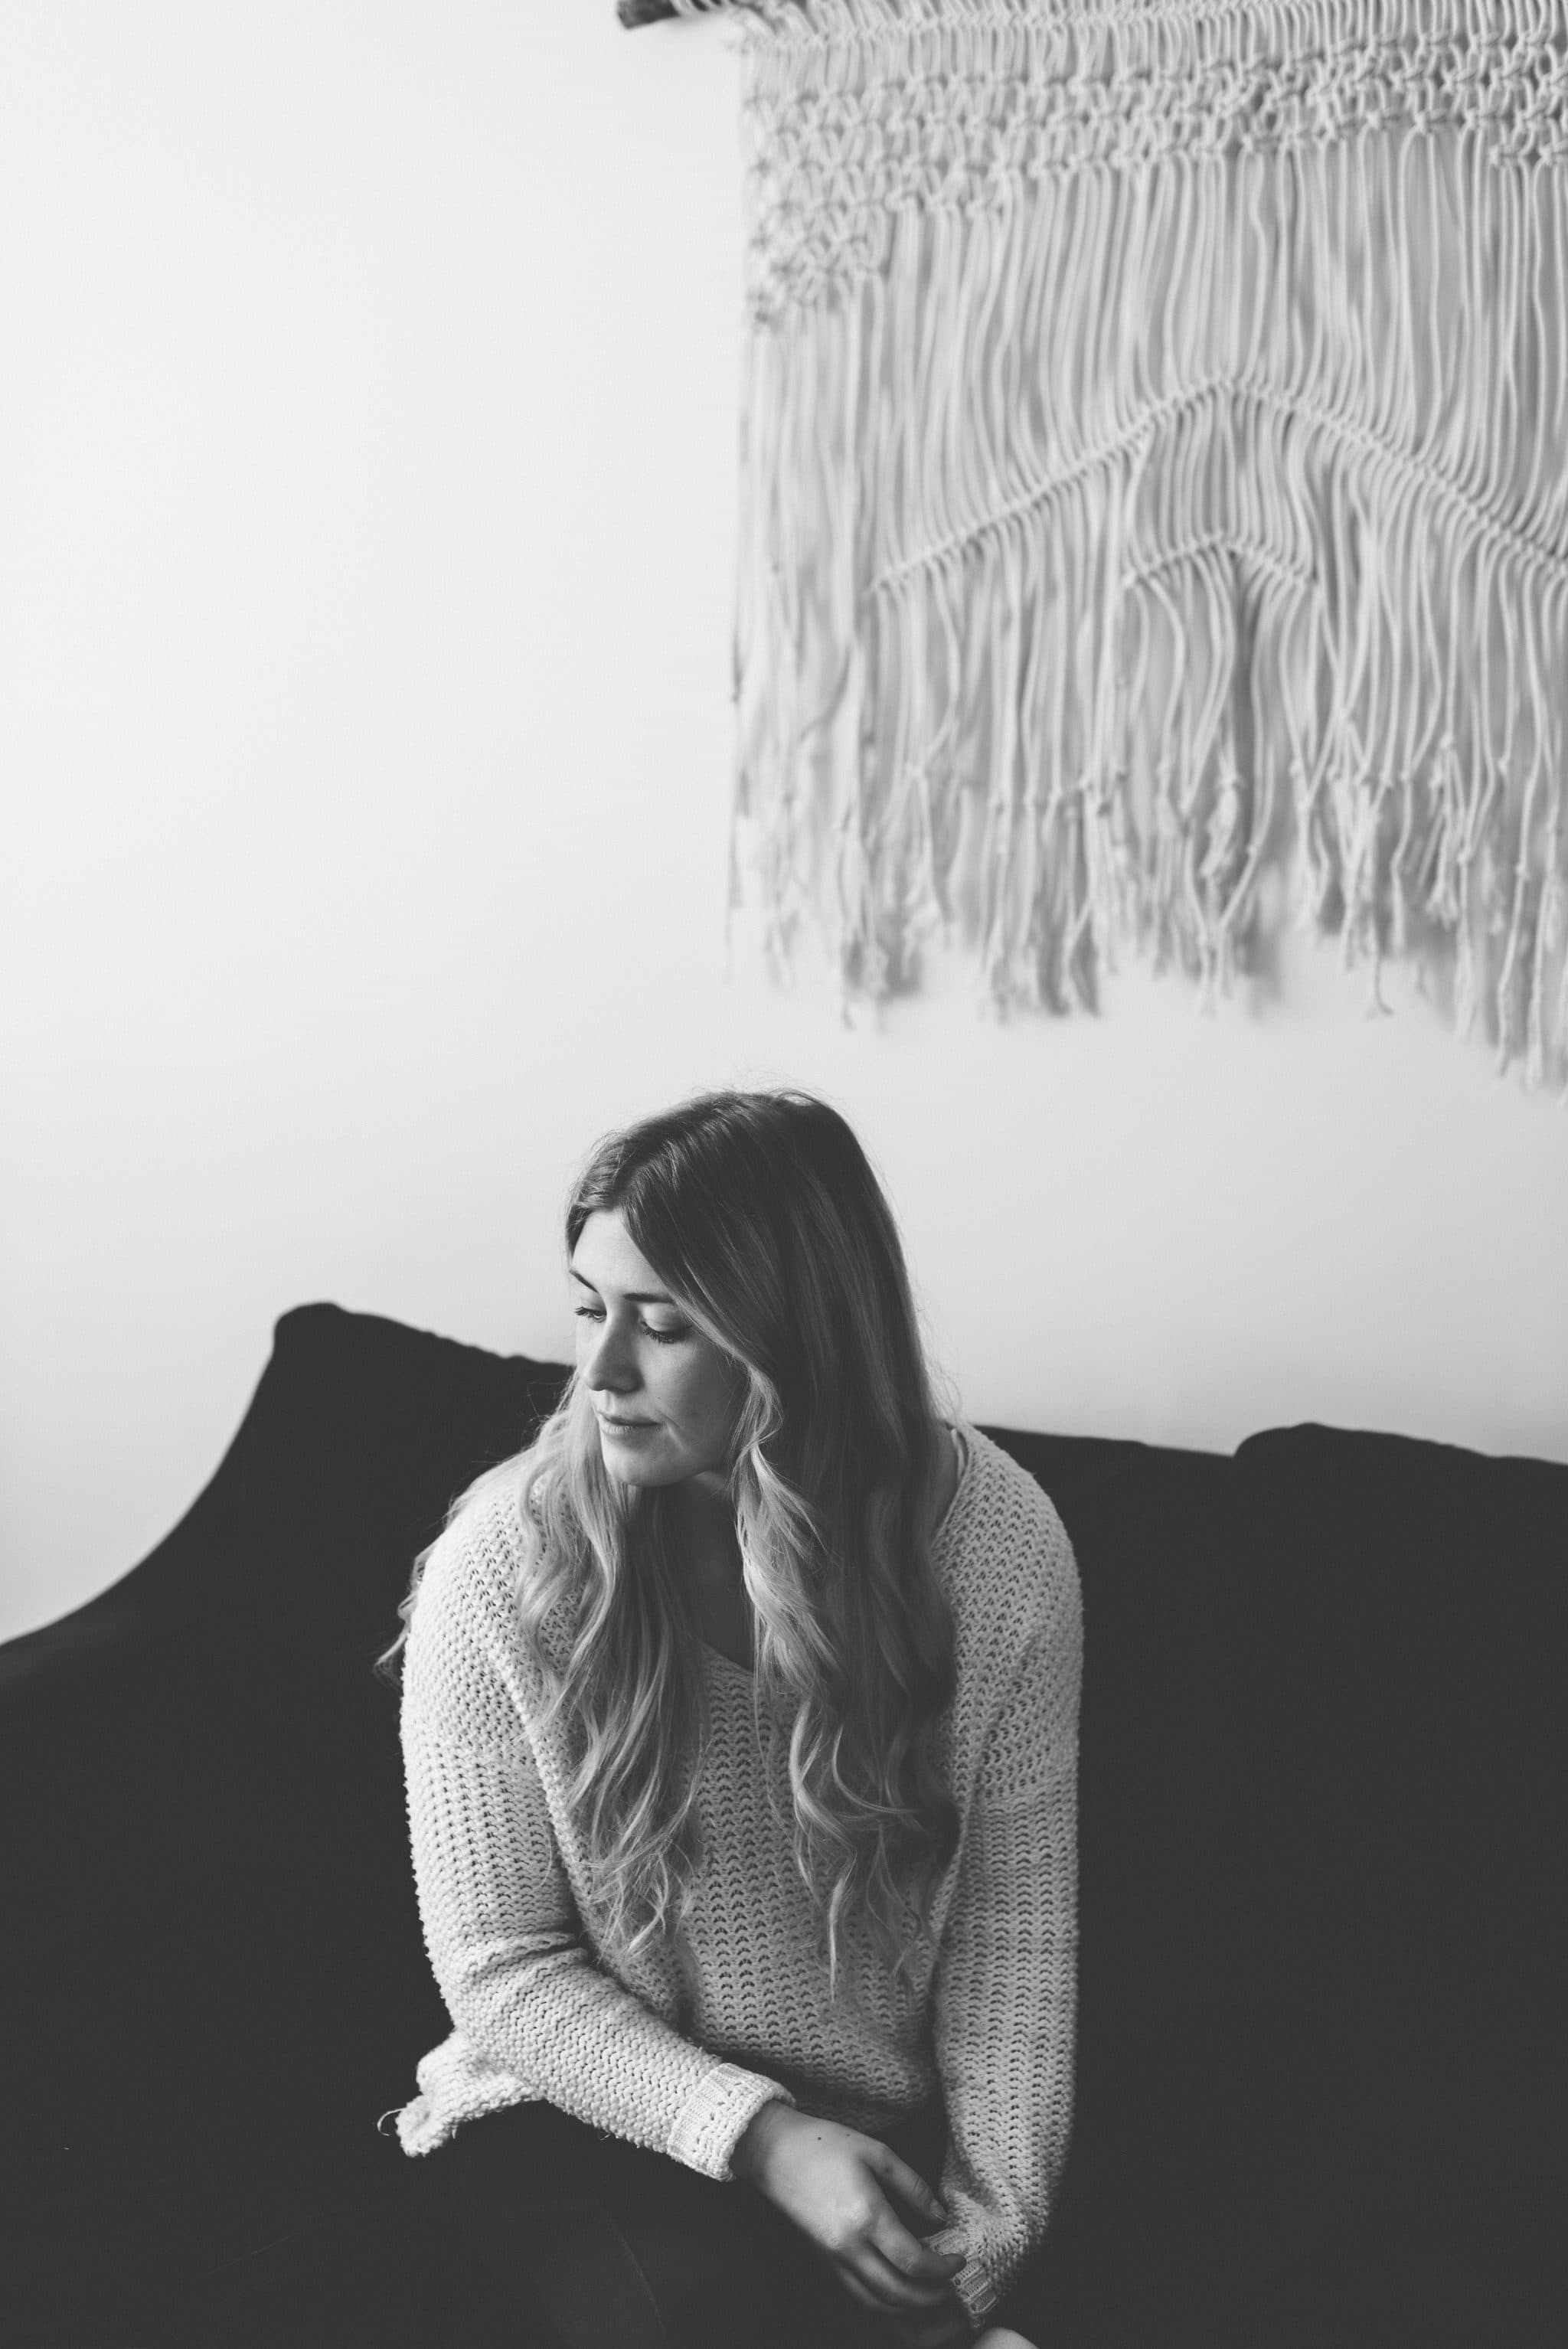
x,y
762,1215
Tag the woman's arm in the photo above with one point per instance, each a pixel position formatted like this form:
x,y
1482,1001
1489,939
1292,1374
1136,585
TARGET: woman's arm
x,y
521,1985
1006,1981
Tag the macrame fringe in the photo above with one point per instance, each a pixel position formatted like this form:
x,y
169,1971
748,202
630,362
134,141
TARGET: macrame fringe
x,y
1156,473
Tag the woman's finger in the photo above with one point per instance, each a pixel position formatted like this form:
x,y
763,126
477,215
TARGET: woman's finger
x,y
910,2189
896,2288
856,2289
906,2252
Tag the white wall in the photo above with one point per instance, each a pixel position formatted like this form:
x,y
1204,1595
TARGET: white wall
x,y
368,397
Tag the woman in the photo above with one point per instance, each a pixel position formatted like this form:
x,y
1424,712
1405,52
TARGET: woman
x,y
740,1721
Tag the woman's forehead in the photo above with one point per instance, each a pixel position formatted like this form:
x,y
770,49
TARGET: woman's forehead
x,y
607,1257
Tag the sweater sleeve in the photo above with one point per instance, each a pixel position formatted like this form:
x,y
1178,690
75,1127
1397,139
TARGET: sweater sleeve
x,y
1007,1979
523,1987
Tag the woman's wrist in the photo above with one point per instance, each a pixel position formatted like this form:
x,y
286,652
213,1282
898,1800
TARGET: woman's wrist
x,y
748,2155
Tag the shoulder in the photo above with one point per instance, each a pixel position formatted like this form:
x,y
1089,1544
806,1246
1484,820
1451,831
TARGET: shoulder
x,y
472,1569
1007,1564
465,1650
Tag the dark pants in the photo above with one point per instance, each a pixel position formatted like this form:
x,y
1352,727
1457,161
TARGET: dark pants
x,y
601,2245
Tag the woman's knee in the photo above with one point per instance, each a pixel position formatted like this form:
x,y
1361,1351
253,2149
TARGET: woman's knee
x,y
613,2247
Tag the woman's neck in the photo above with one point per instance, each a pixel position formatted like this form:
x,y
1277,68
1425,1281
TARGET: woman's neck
x,y
706,1517
946,1474
710,1561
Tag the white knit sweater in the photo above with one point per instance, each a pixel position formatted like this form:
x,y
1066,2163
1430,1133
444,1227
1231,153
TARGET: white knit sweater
x,y
678,2048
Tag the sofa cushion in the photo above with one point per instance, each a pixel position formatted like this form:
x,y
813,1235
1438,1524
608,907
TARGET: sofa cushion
x,y
1397,1647
1160,2190
361,1435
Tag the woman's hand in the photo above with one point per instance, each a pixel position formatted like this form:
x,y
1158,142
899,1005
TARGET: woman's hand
x,y
855,2200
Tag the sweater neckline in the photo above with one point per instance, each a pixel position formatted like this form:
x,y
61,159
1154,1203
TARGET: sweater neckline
x,y
966,1451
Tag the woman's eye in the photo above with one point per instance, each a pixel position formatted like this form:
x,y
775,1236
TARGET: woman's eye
x,y
660,1336
664,1337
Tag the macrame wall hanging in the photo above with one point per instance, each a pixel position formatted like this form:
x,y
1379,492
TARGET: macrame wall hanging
x,y
1155,488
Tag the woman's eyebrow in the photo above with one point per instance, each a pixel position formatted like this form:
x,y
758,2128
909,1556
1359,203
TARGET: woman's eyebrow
x,y
632,1295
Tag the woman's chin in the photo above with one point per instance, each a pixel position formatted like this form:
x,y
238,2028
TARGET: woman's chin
x,y
623,1474
630,1462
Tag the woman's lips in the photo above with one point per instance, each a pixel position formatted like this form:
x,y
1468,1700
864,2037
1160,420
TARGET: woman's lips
x,y
625,1426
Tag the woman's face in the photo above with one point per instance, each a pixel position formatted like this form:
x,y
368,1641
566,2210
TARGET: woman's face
x,y
664,1395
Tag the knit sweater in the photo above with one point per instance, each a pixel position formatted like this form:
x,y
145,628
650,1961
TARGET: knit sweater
x,y
679,2046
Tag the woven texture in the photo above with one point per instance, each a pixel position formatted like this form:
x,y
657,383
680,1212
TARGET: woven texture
x,y
679,2047
1155,495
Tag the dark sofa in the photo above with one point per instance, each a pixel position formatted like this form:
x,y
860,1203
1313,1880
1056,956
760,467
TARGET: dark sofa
x,y
1323,2069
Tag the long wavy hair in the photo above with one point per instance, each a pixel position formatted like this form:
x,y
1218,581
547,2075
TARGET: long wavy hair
x,y
761,1215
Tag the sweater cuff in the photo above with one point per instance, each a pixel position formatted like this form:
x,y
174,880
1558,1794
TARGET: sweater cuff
x,y
977,2291
716,2115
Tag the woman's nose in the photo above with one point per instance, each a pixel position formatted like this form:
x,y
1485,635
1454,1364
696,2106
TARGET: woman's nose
x,y
612,1364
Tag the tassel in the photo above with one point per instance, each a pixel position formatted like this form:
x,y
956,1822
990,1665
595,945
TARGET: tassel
x,y
1155,470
